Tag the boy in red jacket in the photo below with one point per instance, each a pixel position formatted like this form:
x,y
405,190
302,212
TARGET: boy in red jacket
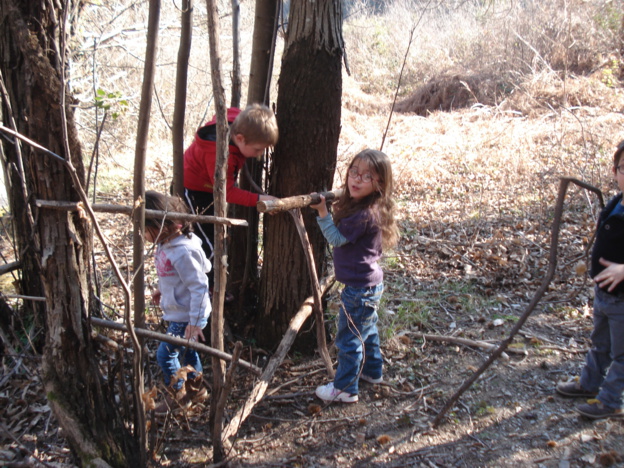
x,y
252,131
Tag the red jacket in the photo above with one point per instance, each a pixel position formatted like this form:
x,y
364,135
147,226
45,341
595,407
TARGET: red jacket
x,y
200,159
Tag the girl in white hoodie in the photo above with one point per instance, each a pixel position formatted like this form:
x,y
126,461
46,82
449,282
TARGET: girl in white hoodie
x,y
183,292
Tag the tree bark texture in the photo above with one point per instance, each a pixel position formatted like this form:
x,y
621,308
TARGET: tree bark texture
x,y
308,115
16,94
59,243
243,268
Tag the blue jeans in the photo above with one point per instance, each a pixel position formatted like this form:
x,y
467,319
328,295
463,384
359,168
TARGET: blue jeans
x,y
604,364
171,357
357,339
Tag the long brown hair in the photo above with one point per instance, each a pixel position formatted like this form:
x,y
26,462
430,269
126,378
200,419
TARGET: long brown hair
x,y
161,202
381,198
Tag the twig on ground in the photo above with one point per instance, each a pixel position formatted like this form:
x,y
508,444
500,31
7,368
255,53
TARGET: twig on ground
x,y
464,341
286,384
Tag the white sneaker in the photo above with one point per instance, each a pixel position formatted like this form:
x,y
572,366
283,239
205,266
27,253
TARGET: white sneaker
x,y
368,379
329,393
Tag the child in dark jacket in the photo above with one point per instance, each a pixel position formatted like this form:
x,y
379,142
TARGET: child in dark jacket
x,y
602,378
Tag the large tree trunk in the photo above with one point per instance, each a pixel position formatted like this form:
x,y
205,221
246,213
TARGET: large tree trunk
x,y
308,115
60,243
27,243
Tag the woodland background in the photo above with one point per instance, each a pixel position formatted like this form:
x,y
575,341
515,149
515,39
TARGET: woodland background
x,y
498,100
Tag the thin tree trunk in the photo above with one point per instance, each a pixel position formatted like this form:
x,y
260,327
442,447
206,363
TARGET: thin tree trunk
x,y
243,274
236,67
220,252
184,50
139,219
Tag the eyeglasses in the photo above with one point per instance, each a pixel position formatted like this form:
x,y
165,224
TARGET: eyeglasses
x,y
354,174
620,169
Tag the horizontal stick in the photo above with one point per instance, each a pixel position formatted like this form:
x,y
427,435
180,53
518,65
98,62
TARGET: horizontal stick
x,y
298,201
9,267
152,214
176,341
466,342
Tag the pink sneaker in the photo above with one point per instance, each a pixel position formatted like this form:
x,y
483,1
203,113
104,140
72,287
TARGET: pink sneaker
x,y
329,393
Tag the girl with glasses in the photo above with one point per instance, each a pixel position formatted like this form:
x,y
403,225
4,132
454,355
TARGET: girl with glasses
x,y
361,227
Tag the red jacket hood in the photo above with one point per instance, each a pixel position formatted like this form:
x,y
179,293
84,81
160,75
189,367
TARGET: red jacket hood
x,y
232,113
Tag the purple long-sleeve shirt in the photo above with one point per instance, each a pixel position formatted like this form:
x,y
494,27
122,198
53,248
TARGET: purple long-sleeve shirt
x,y
355,263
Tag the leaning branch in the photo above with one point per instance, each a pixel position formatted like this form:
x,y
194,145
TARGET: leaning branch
x,y
316,291
261,386
552,265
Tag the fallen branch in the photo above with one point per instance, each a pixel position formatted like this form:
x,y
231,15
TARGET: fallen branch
x,y
564,350
176,341
298,201
261,386
464,341
552,265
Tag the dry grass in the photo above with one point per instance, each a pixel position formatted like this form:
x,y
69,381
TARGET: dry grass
x,y
505,39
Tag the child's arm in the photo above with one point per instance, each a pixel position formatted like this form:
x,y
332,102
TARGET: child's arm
x,y
611,276
156,296
326,223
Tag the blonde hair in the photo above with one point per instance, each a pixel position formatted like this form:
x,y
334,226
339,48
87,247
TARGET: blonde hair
x,y
379,166
257,124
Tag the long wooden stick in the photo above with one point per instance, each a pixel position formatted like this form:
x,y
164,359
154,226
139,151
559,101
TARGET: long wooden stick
x,y
298,201
176,341
217,439
9,267
316,291
465,342
261,386
151,214
552,265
